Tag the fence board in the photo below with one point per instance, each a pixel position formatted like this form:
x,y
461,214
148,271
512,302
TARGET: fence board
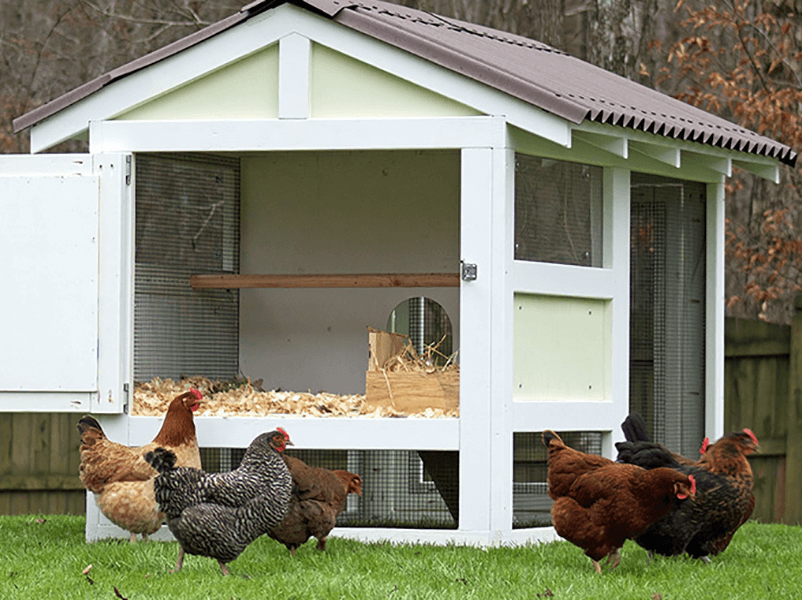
x,y
758,379
39,464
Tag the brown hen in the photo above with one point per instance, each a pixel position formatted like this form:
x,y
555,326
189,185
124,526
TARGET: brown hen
x,y
318,496
119,476
599,504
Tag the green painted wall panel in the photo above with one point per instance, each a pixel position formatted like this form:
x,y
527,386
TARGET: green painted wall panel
x,y
344,87
246,89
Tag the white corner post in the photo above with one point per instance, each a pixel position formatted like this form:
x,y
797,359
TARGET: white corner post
x,y
714,317
475,386
616,236
487,176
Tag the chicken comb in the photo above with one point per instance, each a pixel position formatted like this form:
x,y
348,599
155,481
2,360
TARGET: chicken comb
x,y
196,393
751,435
705,445
282,432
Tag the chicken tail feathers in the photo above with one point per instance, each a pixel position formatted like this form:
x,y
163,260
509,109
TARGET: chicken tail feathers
x,y
549,437
87,425
634,428
162,460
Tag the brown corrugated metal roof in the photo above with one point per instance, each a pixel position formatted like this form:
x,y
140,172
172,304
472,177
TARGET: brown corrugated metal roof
x,y
536,73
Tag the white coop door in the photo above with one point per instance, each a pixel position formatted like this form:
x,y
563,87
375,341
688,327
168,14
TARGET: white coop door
x,y
49,272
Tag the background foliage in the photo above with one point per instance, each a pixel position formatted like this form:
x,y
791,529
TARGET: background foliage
x,y
741,59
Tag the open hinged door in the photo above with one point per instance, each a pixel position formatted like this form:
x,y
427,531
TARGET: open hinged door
x,y
63,242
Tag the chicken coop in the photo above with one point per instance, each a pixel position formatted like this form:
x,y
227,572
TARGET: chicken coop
x,y
261,196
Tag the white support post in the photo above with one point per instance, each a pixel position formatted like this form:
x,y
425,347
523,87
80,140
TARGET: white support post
x,y
616,224
502,228
714,326
115,280
475,465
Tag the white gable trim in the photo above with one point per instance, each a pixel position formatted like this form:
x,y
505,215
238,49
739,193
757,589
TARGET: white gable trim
x,y
294,29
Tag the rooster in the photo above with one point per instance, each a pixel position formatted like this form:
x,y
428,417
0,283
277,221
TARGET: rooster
x,y
599,504
724,499
318,496
219,514
119,476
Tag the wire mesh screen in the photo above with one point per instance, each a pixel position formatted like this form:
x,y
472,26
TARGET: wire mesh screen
x,y
400,488
426,323
187,222
667,309
558,212
531,504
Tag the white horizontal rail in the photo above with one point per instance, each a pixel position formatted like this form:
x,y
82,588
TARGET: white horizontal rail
x,y
334,433
569,415
562,280
245,135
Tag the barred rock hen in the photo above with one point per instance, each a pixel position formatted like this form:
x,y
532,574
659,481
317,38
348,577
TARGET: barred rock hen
x,y
599,504
724,499
119,476
318,496
219,514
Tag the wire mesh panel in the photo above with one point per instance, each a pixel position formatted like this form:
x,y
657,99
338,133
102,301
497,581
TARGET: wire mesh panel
x,y
187,222
400,488
558,212
667,309
531,504
426,323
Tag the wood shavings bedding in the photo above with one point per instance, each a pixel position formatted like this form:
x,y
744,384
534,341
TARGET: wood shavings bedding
x,y
244,399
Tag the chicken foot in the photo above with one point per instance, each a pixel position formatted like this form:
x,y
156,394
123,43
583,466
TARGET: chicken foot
x,y
614,557
180,562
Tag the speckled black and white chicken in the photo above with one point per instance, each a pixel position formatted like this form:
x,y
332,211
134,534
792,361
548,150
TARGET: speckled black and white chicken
x,y
219,514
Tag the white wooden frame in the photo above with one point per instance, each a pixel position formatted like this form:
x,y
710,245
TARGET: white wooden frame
x,y
483,433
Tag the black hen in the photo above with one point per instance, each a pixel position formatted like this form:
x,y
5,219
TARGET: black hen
x,y
639,450
219,514
724,497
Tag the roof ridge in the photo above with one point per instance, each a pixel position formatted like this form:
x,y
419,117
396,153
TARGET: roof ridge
x,y
470,28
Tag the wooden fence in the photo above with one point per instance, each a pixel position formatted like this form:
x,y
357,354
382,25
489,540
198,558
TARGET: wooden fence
x,y
39,464
763,391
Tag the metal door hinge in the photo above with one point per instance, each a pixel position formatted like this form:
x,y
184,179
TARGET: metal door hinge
x,y
128,160
468,271
126,396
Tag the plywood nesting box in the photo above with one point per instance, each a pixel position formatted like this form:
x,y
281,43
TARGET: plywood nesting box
x,y
344,157
397,378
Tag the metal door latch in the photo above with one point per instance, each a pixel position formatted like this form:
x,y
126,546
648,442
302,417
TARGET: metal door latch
x,y
468,271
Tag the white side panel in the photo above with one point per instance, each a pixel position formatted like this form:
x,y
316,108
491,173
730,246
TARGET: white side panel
x,y
48,310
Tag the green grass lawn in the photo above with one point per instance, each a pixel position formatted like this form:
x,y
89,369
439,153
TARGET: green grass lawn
x,y
45,556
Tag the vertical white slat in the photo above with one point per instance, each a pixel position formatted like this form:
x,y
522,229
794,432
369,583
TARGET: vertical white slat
x,y
616,257
115,284
475,332
714,319
294,52
502,230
